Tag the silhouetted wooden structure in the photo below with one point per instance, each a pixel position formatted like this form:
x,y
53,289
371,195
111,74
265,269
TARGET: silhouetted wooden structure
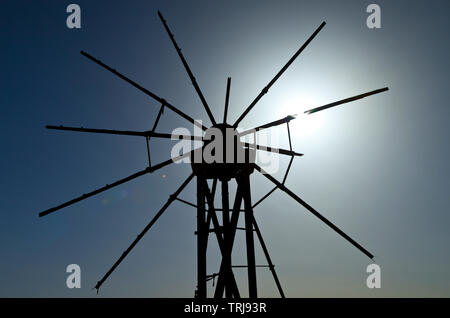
x,y
208,216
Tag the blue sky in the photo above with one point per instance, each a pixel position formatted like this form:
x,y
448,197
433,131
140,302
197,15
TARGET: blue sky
x,y
378,168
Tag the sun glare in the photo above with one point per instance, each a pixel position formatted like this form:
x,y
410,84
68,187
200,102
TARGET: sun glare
x,y
303,125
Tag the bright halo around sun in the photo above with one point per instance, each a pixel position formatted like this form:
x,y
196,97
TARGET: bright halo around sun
x,y
303,125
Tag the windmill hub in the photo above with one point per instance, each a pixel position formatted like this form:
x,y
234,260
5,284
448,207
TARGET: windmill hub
x,y
223,155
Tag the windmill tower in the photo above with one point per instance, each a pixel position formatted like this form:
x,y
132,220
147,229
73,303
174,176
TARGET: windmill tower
x,y
237,164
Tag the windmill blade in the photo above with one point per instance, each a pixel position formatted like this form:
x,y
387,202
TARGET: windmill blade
x,y
311,209
114,184
127,133
268,125
97,191
272,149
188,70
346,100
168,136
99,131
144,231
227,99
269,260
144,90
173,136
266,89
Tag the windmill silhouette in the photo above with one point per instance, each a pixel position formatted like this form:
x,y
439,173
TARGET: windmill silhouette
x,y
223,171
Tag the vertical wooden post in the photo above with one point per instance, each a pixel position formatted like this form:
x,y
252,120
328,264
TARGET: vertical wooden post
x,y
201,241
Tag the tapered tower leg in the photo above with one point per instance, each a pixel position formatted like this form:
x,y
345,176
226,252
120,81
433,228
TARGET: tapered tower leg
x,y
224,280
226,234
252,289
201,242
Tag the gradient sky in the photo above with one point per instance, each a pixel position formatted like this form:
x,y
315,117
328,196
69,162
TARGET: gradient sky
x,y
378,168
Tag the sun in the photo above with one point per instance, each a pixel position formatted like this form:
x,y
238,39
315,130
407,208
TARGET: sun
x,y
303,125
